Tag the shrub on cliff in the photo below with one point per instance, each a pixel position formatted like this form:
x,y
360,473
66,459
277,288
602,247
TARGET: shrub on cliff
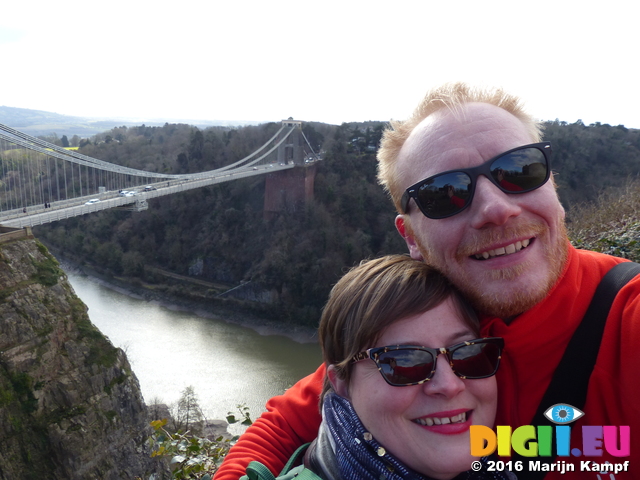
x,y
611,225
192,456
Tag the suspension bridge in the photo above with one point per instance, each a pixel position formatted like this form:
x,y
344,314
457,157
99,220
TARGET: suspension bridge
x,y
41,182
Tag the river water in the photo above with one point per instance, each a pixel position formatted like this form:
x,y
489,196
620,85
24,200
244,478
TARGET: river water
x,y
227,364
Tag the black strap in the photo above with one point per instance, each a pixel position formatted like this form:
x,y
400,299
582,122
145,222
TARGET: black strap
x,y
571,379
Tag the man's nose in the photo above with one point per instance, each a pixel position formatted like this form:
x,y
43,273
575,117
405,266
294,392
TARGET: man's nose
x,y
491,206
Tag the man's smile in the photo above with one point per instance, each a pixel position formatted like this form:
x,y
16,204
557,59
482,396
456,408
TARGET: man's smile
x,y
507,250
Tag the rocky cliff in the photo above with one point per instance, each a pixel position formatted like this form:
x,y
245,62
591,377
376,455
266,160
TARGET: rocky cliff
x,y
70,406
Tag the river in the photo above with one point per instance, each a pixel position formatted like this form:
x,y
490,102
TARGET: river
x,y
227,364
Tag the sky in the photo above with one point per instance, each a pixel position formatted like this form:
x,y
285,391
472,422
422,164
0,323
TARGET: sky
x,y
327,61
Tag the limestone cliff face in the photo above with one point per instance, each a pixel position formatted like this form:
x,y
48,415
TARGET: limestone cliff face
x,y
70,406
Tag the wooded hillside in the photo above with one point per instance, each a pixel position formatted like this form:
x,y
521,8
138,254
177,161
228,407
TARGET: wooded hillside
x,y
219,233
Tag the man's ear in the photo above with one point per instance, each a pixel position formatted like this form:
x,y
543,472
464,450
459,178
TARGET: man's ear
x,y
406,233
339,385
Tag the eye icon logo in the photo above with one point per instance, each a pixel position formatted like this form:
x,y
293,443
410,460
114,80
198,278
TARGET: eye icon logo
x,y
563,413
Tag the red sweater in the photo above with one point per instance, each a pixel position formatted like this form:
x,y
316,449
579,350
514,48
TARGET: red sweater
x,y
539,336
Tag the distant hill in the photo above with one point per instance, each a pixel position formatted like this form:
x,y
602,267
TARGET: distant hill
x,y
38,122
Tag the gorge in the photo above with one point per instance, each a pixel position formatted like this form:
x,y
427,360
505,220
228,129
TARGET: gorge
x,y
70,405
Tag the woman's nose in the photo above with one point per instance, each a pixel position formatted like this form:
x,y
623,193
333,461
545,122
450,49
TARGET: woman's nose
x,y
444,381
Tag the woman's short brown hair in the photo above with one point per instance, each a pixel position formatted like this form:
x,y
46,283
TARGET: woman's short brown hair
x,y
374,295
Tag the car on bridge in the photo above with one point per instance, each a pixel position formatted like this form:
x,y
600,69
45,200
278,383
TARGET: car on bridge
x,y
93,201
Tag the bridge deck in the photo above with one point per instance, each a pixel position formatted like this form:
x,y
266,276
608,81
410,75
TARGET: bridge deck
x,y
75,207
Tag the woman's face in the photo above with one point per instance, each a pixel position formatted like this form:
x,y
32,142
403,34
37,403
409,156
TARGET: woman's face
x,y
425,426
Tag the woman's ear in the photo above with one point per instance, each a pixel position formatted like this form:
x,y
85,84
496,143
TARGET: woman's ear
x,y
339,385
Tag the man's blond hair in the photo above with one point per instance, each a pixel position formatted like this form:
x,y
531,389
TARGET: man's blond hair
x,y
451,96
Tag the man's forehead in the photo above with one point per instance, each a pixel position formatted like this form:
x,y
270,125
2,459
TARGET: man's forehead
x,y
423,149
446,140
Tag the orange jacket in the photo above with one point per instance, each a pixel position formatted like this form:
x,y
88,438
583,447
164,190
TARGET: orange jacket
x,y
539,336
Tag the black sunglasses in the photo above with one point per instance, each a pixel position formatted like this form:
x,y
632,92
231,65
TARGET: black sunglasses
x,y
403,365
519,170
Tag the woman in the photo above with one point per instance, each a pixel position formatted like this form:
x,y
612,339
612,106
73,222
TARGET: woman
x,y
396,403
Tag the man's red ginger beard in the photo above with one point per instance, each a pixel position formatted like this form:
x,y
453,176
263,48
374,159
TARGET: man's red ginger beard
x,y
502,305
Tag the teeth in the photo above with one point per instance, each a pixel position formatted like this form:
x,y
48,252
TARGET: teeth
x,y
429,421
508,250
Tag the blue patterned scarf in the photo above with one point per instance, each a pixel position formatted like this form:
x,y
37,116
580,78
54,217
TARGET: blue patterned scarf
x,y
361,457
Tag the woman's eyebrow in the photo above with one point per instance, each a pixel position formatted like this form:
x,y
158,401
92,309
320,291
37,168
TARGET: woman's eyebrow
x,y
459,337
453,339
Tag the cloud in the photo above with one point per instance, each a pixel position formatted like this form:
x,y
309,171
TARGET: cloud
x,y
331,61
10,35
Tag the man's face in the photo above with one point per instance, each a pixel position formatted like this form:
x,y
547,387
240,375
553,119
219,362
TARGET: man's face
x,y
523,235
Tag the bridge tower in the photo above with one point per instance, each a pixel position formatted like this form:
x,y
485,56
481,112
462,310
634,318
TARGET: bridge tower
x,y
289,190
293,151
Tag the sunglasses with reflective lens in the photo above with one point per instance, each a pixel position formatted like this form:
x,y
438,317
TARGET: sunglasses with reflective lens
x,y
403,365
519,170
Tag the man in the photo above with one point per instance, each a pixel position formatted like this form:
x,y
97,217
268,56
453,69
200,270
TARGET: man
x,y
506,248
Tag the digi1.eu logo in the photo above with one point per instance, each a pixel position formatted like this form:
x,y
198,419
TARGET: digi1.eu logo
x,y
540,440
563,413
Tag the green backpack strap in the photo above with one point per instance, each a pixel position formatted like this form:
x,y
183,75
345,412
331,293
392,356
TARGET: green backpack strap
x,y
257,471
300,473
295,459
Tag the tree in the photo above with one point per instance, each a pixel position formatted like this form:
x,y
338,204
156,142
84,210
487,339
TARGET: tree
x,y
187,415
196,145
132,264
65,141
183,163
